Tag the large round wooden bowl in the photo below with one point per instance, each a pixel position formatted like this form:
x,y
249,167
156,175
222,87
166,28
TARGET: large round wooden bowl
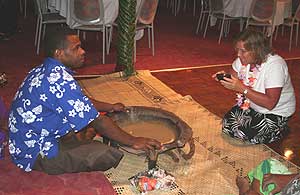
x,y
159,124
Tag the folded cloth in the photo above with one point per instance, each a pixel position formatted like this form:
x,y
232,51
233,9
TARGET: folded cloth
x,y
267,166
152,179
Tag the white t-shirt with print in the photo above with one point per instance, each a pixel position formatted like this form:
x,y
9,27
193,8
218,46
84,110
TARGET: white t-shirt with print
x,y
272,73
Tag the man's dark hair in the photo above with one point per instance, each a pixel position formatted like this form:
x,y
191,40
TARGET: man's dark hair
x,y
56,39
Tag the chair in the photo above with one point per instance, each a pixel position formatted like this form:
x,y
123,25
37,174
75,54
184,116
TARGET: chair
x,y
144,20
176,6
291,22
44,17
262,14
194,6
23,7
90,17
204,10
216,10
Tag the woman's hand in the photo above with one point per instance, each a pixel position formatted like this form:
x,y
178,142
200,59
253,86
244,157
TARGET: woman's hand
x,y
214,76
233,84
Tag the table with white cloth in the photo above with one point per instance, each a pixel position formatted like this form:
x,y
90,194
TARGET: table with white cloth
x,y
283,10
241,8
111,8
237,8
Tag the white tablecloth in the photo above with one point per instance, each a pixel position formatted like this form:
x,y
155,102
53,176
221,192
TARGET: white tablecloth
x,y
111,12
241,8
283,10
237,8
63,6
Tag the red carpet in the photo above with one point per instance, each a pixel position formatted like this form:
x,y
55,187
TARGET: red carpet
x,y
15,181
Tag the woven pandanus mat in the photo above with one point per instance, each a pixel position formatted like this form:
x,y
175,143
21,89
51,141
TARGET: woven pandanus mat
x,y
217,159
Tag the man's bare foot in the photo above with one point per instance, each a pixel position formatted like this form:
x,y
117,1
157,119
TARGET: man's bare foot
x,y
243,184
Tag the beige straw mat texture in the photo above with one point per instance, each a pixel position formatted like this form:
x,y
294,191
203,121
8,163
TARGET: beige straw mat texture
x,y
217,159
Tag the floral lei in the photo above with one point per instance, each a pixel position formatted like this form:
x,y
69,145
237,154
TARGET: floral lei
x,y
242,101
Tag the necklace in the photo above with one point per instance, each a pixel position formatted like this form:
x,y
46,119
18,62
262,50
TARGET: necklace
x,y
248,75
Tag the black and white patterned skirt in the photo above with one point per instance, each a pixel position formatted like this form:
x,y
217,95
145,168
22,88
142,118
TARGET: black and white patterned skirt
x,y
254,127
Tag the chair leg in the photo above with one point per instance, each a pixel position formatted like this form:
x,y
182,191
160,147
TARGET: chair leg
x,y
44,31
204,34
175,7
221,31
199,21
203,18
109,38
103,46
226,27
297,31
184,6
25,8
178,7
271,38
84,36
247,24
149,37
134,51
39,38
194,10
276,32
241,24
37,30
152,32
291,37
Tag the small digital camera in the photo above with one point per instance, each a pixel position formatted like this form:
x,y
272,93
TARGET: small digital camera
x,y
222,75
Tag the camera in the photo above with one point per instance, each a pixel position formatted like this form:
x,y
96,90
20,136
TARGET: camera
x,y
222,75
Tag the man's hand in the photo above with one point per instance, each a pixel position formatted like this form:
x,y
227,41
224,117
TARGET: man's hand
x,y
118,107
146,144
279,180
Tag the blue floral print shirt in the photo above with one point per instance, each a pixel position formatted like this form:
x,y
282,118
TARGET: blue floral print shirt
x,y
48,105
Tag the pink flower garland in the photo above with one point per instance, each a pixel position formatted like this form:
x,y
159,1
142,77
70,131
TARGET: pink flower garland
x,y
242,101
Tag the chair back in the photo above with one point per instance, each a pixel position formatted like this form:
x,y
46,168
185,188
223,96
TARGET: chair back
x,y
204,5
216,6
41,7
147,11
263,10
297,14
87,12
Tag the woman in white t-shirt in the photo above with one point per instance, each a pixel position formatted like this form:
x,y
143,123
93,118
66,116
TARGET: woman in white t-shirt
x,y
265,99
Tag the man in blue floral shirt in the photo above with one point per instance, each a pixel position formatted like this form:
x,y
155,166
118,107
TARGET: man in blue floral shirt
x,y
50,105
